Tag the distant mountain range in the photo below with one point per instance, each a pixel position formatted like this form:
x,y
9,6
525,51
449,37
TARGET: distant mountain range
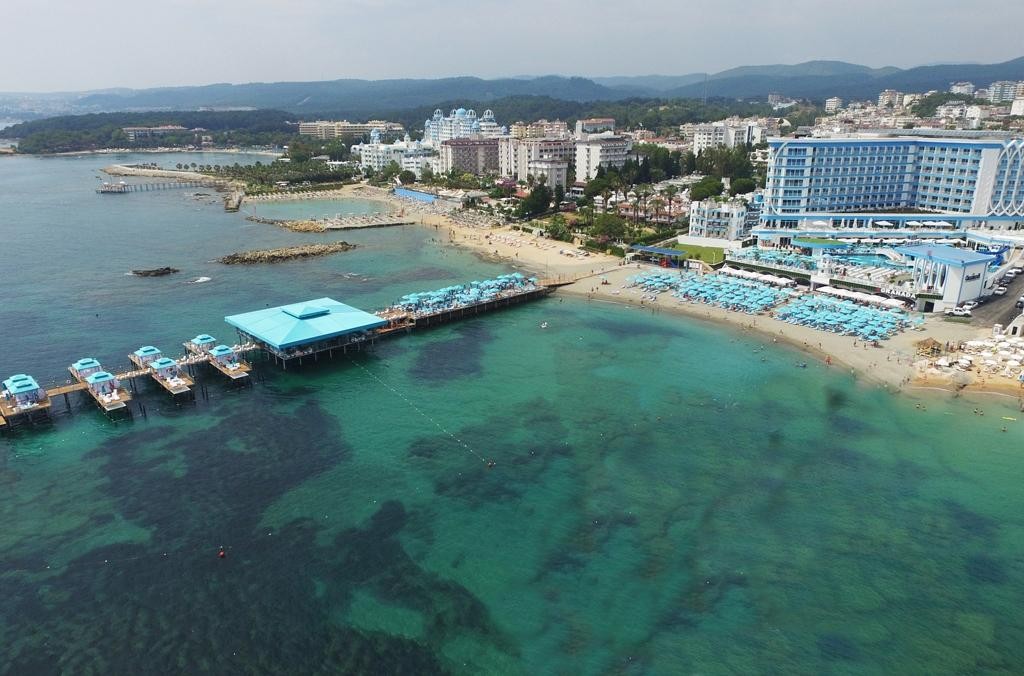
x,y
815,80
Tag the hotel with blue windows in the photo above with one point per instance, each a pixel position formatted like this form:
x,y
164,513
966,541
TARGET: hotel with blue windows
x,y
894,185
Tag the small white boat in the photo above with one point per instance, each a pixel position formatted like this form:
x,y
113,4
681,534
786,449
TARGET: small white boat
x,y
543,325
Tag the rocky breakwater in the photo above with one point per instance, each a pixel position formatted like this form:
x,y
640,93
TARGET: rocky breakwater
x,y
155,272
296,226
285,253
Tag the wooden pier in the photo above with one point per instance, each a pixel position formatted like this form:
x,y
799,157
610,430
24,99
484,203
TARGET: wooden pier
x,y
108,402
199,355
398,320
13,415
123,187
180,384
445,316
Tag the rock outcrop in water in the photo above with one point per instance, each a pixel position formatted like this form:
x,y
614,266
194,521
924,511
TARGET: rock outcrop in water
x,y
155,272
285,253
305,225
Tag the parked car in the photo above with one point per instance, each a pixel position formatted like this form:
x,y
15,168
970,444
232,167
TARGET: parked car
x,y
1019,304
1016,270
958,312
1000,291
970,305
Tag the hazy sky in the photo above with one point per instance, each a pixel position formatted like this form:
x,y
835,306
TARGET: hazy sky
x,y
49,45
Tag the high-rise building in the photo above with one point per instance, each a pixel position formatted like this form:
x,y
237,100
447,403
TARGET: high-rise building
x,y
975,179
517,157
594,125
833,104
477,156
890,97
460,123
1003,90
540,129
729,133
325,129
725,219
1017,107
964,88
600,150
408,154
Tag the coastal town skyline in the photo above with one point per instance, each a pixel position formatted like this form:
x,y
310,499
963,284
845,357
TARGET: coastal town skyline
x,y
665,38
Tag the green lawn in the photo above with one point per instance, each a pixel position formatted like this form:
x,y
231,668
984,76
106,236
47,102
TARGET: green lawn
x,y
708,254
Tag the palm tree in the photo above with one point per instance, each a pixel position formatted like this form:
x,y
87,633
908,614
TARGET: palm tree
x,y
588,215
606,194
657,204
670,193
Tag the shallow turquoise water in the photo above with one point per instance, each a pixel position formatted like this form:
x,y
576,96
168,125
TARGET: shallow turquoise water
x,y
667,497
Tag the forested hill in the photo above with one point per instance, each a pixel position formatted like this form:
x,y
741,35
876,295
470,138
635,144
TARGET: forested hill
x,y
96,131
360,98
265,127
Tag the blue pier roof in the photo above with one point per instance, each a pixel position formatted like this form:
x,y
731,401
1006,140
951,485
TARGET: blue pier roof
x,y
99,377
146,351
162,363
221,351
661,251
203,339
20,384
303,323
86,363
944,254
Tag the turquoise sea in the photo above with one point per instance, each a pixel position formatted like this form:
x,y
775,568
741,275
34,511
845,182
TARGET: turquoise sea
x,y
667,497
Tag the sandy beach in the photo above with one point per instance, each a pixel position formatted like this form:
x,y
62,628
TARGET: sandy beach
x,y
895,364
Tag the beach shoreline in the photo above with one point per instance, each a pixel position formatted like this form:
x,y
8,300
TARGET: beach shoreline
x,y
895,365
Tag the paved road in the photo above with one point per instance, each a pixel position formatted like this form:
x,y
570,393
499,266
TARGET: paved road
x,y
1000,310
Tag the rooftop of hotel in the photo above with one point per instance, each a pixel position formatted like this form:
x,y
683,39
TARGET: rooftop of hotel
x,y
944,254
303,323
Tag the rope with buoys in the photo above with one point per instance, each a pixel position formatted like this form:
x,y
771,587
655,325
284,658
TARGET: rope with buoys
x,y
432,421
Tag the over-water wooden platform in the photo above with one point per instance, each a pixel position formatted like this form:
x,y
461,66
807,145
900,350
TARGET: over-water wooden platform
x,y
398,321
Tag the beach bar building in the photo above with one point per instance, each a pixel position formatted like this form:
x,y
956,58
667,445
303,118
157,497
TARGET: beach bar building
x,y
666,258
945,276
22,396
306,329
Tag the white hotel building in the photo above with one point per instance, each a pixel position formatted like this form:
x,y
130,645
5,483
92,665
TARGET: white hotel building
x,y
408,154
600,150
521,157
460,123
893,184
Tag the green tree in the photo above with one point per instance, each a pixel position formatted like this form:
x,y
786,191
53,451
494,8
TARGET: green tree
x,y
536,203
705,188
407,177
299,152
742,186
608,227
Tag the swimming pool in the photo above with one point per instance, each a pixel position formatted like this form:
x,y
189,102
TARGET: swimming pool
x,y
868,260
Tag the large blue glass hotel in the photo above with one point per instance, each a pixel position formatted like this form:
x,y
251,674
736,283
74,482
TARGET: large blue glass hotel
x,y
894,184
